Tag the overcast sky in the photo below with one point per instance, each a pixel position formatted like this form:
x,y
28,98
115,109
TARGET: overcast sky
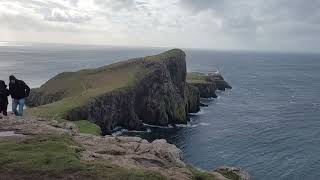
x,y
282,25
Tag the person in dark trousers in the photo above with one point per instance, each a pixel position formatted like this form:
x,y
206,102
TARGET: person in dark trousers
x,y
4,93
19,91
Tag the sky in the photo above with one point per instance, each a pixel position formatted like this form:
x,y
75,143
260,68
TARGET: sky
x,y
280,25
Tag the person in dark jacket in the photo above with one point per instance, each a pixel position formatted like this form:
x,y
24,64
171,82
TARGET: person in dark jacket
x,y
19,91
4,93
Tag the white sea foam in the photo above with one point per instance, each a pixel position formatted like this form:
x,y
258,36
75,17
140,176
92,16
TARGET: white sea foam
x,y
187,125
204,124
198,113
119,132
191,125
155,126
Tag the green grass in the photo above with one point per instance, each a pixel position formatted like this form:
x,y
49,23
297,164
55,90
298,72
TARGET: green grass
x,y
41,154
194,77
87,127
76,95
58,158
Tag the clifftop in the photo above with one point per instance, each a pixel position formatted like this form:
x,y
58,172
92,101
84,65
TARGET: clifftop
x,y
47,149
151,90
141,90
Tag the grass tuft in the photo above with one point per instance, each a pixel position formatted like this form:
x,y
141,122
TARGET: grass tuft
x,y
41,154
87,127
51,157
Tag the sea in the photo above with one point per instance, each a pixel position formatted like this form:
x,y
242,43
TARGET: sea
x,y
268,124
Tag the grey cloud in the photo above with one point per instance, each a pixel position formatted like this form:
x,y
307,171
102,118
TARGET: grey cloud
x,y
199,5
116,4
52,11
30,24
61,15
260,11
275,18
40,4
214,23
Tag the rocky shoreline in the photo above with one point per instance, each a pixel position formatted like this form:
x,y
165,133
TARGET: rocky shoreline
x,y
60,138
134,154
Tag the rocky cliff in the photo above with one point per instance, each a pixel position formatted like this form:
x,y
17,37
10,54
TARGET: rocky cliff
x,y
154,90
207,84
150,90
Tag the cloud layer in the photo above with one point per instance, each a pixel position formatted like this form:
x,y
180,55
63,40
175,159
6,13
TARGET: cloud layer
x,y
283,25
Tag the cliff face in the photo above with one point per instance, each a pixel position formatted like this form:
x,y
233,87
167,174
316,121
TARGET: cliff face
x,y
160,95
154,90
207,84
157,99
109,111
156,94
207,90
193,98
219,81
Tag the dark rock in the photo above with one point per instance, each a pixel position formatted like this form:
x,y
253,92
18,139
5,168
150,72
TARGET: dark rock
x,y
203,105
193,99
112,110
207,84
233,173
207,89
219,81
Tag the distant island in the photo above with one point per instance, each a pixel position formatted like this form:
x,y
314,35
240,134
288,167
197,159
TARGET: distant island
x,y
60,138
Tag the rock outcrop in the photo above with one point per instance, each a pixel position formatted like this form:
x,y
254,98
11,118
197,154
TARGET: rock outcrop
x,y
151,90
207,84
233,173
154,90
95,157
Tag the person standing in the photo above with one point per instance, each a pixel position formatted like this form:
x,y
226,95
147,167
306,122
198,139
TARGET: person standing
x,y
19,90
4,93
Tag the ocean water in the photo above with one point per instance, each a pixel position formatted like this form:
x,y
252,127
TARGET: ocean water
x,y
268,124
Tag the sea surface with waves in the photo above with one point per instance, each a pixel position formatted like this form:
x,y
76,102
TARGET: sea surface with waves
x,y
268,124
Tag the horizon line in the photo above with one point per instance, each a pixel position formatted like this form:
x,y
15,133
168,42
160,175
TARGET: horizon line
x,y
5,43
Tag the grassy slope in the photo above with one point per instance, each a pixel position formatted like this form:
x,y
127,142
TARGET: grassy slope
x,y
80,87
57,157
195,77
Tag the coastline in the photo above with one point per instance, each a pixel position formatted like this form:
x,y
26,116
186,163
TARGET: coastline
x,y
183,89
